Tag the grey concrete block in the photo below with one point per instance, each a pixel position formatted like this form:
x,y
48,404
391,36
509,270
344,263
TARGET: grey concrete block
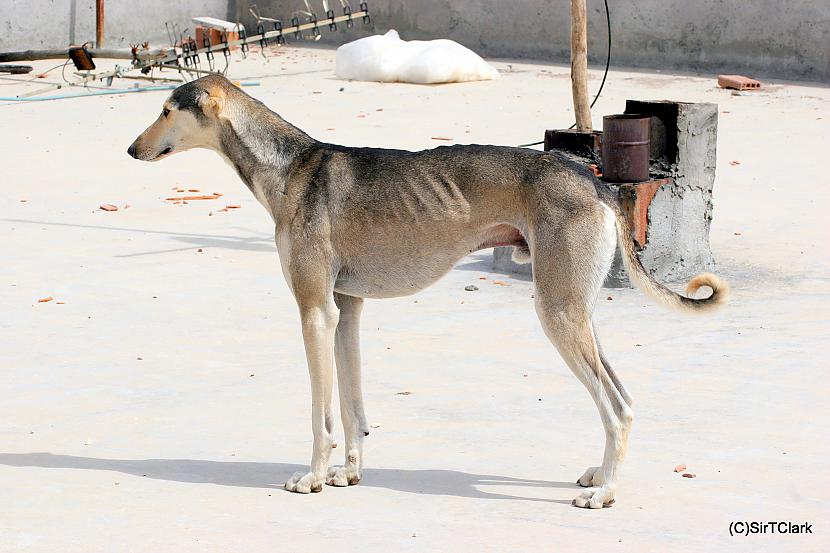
x,y
503,262
680,214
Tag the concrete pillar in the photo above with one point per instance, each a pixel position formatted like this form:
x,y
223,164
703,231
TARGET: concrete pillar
x,y
683,147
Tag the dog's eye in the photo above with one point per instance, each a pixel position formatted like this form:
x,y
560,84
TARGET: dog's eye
x,y
165,112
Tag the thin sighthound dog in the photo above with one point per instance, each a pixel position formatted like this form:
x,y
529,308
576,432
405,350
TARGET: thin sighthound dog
x,y
355,223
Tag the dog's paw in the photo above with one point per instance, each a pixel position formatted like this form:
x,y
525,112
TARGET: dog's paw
x,y
591,477
347,475
595,498
304,482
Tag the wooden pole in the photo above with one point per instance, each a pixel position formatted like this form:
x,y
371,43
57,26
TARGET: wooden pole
x,y
99,23
579,65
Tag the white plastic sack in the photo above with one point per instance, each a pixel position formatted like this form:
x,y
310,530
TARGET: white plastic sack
x,y
387,58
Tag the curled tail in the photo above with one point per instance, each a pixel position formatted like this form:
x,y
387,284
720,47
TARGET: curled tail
x,y
645,282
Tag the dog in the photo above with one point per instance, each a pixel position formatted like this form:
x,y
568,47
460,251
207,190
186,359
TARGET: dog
x,y
355,223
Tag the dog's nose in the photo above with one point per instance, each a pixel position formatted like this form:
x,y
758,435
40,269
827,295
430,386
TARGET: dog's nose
x,y
131,150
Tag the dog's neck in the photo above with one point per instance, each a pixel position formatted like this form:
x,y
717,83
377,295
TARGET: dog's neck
x,y
260,145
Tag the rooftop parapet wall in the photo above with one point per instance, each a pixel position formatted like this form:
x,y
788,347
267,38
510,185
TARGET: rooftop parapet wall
x,y
762,38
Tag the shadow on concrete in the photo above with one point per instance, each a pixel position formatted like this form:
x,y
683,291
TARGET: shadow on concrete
x,y
253,242
483,263
271,475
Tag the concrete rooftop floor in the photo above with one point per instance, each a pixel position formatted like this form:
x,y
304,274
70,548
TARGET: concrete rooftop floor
x,y
186,448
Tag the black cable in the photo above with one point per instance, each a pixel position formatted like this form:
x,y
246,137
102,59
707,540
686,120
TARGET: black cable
x,y
40,75
607,57
604,75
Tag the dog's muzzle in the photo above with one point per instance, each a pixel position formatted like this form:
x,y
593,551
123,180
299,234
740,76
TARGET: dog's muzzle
x,y
133,152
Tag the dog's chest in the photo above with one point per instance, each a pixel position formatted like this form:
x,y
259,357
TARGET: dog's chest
x,y
283,241
259,187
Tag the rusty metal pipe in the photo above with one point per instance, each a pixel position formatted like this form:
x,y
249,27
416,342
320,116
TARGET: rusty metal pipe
x,y
99,23
625,147
110,53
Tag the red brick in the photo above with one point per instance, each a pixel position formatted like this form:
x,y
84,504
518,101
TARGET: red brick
x,y
738,82
635,199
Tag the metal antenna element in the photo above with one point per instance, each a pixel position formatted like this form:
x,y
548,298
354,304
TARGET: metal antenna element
x,y
184,53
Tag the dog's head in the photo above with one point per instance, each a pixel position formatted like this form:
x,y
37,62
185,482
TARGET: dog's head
x,y
188,119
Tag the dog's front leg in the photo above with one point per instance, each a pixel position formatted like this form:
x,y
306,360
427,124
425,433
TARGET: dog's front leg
x,y
347,356
319,320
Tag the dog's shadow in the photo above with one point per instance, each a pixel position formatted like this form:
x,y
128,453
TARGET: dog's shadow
x,y
271,475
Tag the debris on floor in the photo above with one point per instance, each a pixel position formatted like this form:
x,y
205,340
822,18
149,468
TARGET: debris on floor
x,y
108,207
471,288
213,196
680,468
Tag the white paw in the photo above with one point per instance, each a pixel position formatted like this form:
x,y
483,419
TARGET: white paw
x,y
591,477
347,475
304,482
595,498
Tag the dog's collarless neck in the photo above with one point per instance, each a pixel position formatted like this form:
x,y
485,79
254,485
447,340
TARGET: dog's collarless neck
x,y
263,152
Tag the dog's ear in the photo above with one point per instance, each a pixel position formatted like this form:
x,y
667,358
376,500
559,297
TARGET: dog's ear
x,y
212,102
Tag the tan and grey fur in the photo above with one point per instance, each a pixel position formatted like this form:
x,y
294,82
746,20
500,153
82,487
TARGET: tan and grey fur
x,y
355,223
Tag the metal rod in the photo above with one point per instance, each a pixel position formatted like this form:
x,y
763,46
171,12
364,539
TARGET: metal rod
x,y
181,68
223,46
267,35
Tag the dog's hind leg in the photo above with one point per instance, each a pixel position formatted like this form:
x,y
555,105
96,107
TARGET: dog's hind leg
x,y
347,356
319,317
567,284
611,374
593,475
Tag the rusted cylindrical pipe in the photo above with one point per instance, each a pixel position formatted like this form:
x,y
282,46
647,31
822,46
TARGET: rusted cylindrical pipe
x,y
625,147
99,23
